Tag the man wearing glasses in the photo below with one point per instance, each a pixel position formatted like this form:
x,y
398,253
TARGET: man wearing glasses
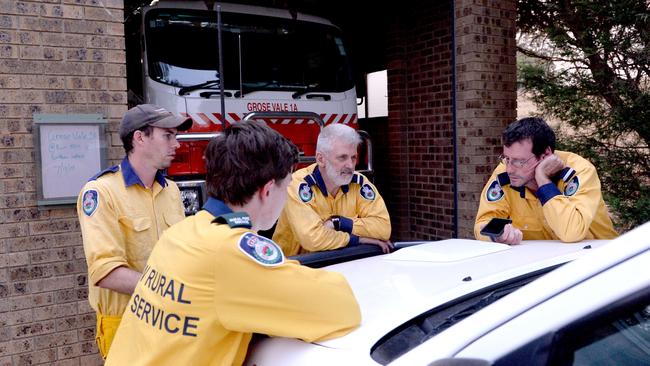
x,y
548,194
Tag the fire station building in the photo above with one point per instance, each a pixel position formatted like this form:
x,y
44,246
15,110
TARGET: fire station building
x,y
451,76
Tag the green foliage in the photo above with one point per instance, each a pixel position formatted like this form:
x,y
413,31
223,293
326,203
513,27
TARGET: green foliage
x,y
588,65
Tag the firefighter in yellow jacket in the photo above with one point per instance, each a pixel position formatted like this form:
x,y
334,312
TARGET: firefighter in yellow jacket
x,y
124,210
211,282
329,205
548,194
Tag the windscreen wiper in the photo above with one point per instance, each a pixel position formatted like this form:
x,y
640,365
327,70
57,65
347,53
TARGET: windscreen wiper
x,y
302,92
207,84
436,324
248,89
310,94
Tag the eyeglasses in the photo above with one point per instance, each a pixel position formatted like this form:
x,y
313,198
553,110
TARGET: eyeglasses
x,y
517,163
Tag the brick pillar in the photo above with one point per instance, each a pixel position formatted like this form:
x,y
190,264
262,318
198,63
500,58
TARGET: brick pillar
x,y
55,57
396,192
485,95
420,197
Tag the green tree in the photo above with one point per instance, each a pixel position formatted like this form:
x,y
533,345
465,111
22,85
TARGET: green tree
x,y
587,64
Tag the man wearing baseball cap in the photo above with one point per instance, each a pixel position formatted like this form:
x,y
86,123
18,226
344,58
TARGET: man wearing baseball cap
x,y
124,209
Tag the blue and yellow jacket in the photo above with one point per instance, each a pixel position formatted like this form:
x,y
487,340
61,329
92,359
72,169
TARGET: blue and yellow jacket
x,y
570,209
360,208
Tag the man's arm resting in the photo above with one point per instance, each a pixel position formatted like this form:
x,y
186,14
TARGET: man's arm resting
x,y
372,219
372,227
305,303
385,245
340,223
312,233
121,279
568,217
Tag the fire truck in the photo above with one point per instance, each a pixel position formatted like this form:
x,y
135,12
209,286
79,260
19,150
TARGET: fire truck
x,y
221,63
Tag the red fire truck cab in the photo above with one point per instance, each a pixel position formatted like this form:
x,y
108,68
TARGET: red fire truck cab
x,y
287,69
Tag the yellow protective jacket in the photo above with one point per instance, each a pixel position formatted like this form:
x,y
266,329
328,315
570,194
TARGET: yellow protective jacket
x,y
359,207
211,282
570,209
121,220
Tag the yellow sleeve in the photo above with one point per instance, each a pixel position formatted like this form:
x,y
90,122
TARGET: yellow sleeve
x,y
307,226
287,300
570,216
493,203
373,220
103,241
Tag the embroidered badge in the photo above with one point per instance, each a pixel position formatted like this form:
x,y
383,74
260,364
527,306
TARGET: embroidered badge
x,y
260,249
90,201
367,192
305,193
572,187
235,219
494,192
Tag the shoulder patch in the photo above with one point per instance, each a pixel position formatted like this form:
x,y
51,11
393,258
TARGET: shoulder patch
x,y
305,193
572,186
262,250
90,201
367,192
494,192
235,219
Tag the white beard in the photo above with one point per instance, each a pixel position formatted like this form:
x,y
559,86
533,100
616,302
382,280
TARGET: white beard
x,y
335,177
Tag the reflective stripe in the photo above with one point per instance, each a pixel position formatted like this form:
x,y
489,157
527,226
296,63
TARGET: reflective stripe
x,y
205,119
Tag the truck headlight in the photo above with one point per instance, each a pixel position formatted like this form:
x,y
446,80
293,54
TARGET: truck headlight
x,y
192,199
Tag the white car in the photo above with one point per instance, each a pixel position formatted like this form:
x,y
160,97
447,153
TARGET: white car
x,y
421,305
594,311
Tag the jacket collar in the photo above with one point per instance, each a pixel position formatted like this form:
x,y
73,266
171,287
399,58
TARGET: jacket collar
x,y
131,178
216,207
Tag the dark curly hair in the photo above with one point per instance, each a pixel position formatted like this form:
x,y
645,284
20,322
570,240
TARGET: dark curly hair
x,y
533,128
244,158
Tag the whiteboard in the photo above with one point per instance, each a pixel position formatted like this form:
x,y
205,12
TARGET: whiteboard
x,y
69,154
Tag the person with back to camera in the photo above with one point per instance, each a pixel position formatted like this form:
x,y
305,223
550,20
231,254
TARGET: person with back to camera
x,y
124,209
211,281
548,194
329,205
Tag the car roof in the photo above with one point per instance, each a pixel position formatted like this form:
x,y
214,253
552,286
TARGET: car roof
x,y
394,288
452,340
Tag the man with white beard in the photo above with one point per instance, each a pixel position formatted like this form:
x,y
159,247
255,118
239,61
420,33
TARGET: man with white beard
x,y
329,205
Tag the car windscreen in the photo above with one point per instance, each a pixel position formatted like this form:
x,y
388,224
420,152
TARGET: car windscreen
x,y
269,53
423,327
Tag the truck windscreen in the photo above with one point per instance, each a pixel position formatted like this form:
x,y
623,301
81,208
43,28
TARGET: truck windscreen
x,y
270,53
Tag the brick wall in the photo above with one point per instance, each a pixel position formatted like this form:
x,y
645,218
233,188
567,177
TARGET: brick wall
x,y
486,98
56,56
420,194
420,197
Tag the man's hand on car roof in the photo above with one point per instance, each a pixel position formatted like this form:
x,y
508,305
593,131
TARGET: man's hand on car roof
x,y
386,246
